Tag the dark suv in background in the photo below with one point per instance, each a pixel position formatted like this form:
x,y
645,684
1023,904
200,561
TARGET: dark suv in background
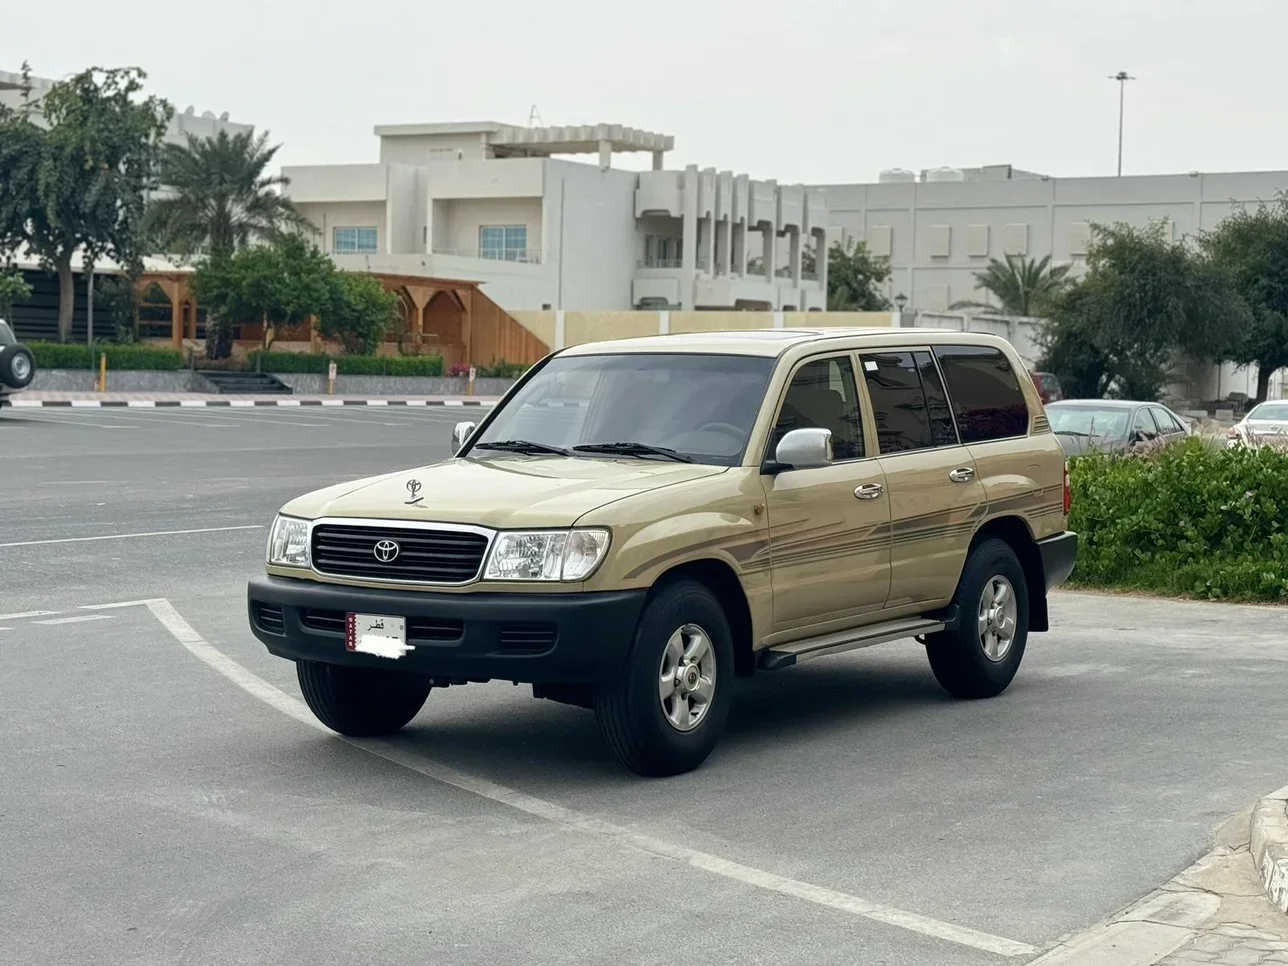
x,y
17,365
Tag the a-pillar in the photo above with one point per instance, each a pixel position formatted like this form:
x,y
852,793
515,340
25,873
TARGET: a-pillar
x,y
420,296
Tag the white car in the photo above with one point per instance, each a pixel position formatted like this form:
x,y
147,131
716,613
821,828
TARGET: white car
x,y
1265,424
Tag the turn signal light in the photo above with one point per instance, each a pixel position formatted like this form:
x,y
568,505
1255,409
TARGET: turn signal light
x,y
1068,493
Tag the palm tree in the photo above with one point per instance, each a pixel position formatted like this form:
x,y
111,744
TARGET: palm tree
x,y
1022,286
219,198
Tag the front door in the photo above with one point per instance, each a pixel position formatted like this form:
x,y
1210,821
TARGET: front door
x,y
829,527
936,497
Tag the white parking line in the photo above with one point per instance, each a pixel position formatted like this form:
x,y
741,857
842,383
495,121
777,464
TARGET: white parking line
x,y
26,614
184,633
126,536
77,620
53,416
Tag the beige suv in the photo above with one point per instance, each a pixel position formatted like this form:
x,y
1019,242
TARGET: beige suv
x,y
640,522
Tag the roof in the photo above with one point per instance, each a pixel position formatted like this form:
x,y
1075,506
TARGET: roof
x,y
760,342
511,139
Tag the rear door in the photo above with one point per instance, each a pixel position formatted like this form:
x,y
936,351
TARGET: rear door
x,y
936,498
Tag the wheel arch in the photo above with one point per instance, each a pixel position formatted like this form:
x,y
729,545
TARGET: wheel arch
x,y
1015,532
722,581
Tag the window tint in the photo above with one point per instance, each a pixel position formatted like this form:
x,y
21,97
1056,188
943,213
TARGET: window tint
x,y
1167,423
898,401
985,393
823,394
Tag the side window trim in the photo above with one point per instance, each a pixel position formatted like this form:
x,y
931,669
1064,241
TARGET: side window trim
x,y
860,400
912,350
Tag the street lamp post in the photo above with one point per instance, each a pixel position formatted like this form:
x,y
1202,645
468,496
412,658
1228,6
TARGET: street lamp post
x,y
1122,77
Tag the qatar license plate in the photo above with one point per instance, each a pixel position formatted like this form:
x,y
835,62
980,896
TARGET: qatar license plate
x,y
377,634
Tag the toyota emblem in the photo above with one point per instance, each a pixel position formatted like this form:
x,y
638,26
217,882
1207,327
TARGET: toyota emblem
x,y
387,551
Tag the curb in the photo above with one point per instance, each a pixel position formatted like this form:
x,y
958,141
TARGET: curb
x,y
231,403
1270,846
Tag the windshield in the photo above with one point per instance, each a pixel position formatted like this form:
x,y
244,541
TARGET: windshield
x,y
1086,421
6,334
700,406
1275,410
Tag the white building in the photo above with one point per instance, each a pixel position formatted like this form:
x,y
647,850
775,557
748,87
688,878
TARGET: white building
x,y
500,205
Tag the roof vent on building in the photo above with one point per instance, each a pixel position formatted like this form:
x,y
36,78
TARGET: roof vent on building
x,y
896,176
945,174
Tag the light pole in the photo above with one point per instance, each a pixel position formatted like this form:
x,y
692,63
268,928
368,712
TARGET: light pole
x,y
1122,77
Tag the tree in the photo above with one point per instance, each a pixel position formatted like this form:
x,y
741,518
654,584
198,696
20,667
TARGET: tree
x,y
78,179
219,198
1251,249
853,277
13,288
1145,299
280,284
1022,286
360,312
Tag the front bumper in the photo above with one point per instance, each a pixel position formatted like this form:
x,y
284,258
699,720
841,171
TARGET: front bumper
x,y
1059,553
532,638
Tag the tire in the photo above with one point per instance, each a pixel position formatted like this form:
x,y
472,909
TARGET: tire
x,y
361,702
646,731
17,366
968,662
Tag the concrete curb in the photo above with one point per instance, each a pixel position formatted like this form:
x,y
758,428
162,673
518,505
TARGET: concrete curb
x,y
233,403
1270,846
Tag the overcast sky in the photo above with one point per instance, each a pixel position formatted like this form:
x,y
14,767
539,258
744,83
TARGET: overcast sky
x,y
815,91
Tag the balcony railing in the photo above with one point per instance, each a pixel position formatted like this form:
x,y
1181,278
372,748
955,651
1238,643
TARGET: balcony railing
x,y
527,256
660,263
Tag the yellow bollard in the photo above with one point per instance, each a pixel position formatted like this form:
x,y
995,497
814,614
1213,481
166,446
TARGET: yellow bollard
x,y
102,372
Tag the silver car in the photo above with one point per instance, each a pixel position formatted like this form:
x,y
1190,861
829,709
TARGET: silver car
x,y
1113,425
1265,424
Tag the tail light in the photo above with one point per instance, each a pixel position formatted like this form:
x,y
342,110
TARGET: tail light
x,y
1068,493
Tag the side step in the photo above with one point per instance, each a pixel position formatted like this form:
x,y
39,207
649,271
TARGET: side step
x,y
787,655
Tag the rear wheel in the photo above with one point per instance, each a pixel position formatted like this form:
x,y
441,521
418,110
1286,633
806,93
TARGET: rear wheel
x,y
17,366
668,710
980,658
361,702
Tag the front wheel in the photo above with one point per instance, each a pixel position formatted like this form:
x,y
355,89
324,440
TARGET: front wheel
x,y
361,702
980,658
666,712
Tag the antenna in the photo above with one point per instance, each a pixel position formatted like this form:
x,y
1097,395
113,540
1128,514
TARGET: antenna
x,y
535,115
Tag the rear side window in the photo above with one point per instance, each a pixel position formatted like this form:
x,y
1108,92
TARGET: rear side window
x,y
985,392
908,401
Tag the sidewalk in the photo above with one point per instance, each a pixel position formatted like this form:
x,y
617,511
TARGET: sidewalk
x,y
91,400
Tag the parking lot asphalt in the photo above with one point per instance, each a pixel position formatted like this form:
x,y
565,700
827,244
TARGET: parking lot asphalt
x,y
159,807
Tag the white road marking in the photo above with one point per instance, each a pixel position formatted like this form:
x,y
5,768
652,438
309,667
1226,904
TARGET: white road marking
x,y
119,603
184,633
77,620
28,613
54,416
126,536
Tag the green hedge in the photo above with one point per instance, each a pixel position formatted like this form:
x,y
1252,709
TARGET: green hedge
x,y
1191,520
347,365
53,355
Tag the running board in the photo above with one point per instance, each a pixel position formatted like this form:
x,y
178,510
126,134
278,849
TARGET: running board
x,y
778,658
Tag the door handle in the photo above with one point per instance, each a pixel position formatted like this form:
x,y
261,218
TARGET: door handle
x,y
963,474
869,491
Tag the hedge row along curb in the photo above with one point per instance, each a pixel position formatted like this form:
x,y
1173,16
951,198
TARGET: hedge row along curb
x,y
148,358
1270,846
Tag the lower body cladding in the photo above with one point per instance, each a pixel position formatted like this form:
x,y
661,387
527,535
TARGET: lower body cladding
x,y
541,639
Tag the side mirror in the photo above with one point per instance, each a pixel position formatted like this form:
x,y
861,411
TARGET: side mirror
x,y
460,433
805,449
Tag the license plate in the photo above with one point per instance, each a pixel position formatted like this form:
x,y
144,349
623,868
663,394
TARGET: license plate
x,y
380,635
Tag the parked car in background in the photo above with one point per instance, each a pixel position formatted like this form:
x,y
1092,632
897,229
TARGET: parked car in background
x,y
1264,424
17,365
1048,386
1113,425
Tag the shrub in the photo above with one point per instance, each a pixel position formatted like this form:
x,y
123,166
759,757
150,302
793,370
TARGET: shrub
x,y
1191,519
285,362
53,355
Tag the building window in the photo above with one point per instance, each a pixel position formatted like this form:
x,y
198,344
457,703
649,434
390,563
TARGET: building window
x,y
662,252
508,243
355,241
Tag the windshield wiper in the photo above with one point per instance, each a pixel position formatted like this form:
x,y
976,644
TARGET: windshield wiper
x,y
634,449
1071,432
523,446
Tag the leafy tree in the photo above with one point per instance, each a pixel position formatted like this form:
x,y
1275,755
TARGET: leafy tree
x,y
219,197
114,304
13,288
77,178
1145,299
1251,249
280,284
1022,286
854,277
359,313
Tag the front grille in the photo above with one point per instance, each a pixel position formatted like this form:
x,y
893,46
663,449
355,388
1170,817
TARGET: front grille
x,y
418,628
269,618
424,556
527,638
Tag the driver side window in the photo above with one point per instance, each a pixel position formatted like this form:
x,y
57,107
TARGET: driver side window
x,y
824,395
1143,426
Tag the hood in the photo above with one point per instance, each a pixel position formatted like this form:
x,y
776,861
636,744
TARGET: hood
x,y
504,492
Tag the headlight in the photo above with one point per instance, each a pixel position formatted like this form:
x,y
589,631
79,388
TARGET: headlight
x,y
288,542
546,555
